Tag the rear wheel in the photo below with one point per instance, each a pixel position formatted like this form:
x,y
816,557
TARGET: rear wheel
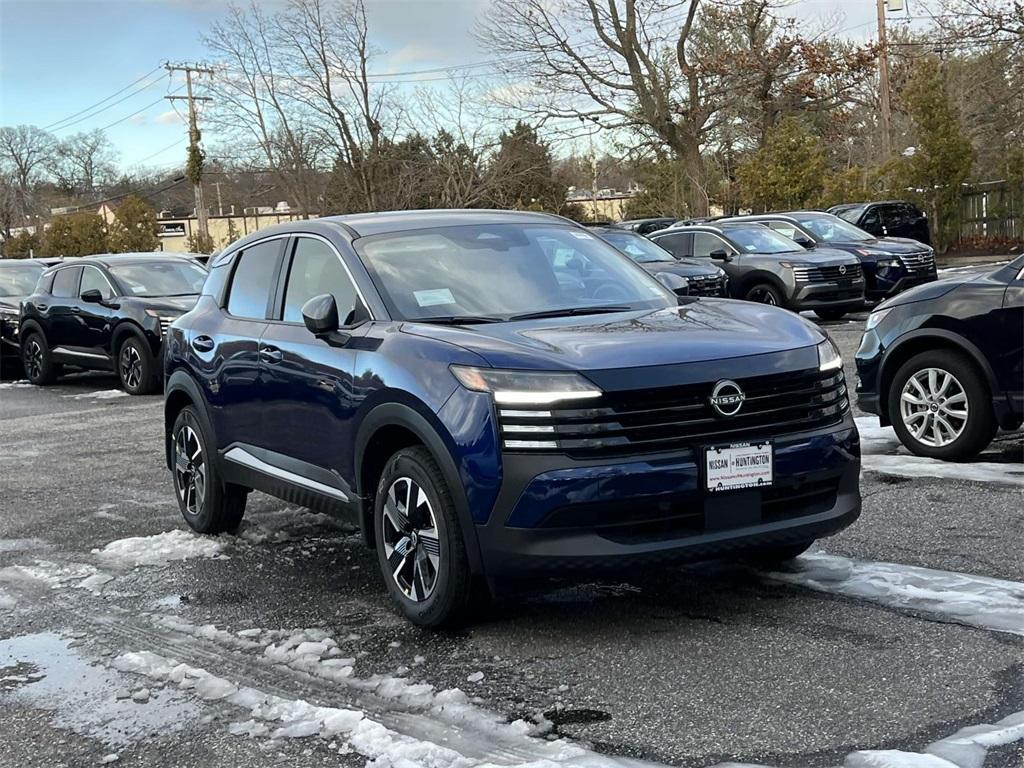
x,y
419,541
208,504
136,367
764,293
941,407
831,314
38,361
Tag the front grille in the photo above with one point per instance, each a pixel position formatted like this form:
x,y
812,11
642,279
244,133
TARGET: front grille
x,y
922,261
712,285
672,418
823,274
165,325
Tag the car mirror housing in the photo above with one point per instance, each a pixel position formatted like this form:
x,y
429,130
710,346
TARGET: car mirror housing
x,y
92,296
320,314
719,255
803,241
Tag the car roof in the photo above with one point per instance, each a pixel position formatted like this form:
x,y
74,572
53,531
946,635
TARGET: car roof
x,y
366,224
33,262
110,259
718,227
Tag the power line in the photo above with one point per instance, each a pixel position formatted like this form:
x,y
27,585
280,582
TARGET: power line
x,y
101,110
139,111
108,98
161,151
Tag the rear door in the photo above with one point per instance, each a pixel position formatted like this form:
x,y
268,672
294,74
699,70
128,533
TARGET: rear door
x,y
306,382
61,314
228,348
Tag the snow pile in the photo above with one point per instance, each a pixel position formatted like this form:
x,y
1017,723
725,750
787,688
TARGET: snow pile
x,y
6,601
978,601
53,575
882,452
103,394
20,384
160,549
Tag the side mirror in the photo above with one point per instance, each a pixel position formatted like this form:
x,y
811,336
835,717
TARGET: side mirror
x,y
720,255
803,241
679,285
320,314
92,296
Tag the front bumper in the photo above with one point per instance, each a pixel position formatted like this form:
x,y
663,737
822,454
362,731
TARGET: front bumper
x,y
891,281
832,295
557,515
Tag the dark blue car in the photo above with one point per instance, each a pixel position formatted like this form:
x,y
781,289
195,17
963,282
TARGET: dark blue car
x,y
481,410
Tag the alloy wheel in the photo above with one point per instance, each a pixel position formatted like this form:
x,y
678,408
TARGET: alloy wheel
x,y
131,366
34,360
763,296
189,470
410,538
934,407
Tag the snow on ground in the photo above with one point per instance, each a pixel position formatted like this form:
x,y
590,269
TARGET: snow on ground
x,y
21,384
6,601
978,601
53,575
160,549
103,394
882,452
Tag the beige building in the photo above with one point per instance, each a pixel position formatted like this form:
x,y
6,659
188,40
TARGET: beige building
x,y
174,232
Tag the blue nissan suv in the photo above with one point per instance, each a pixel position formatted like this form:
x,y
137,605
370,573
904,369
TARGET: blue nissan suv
x,y
484,407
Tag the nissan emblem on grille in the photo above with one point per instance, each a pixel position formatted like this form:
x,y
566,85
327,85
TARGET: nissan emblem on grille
x,y
727,398
842,269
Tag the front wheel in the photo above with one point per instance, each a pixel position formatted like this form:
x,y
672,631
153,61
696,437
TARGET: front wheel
x,y
136,367
831,314
764,293
419,542
208,504
940,406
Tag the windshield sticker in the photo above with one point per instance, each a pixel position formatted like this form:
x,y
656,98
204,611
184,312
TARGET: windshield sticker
x,y
433,297
582,235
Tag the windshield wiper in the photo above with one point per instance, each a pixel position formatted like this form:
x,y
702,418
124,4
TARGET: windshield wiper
x,y
456,319
569,312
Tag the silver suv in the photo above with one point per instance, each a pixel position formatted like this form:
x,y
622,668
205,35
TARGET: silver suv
x,y
765,266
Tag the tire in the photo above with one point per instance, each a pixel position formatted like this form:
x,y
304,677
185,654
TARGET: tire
x,y
208,504
136,367
776,555
952,427
831,314
764,293
433,589
37,360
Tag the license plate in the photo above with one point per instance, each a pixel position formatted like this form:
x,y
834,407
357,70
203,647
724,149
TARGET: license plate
x,y
738,466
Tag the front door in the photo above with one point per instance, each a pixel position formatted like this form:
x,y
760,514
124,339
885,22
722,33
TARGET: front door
x,y
95,318
307,384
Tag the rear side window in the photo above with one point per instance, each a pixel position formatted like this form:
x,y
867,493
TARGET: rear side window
x,y
253,280
65,284
45,284
316,269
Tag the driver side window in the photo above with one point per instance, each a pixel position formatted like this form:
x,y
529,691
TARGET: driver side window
x,y
317,269
93,279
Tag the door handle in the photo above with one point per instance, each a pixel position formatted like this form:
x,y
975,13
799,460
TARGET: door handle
x,y
271,354
202,344
77,310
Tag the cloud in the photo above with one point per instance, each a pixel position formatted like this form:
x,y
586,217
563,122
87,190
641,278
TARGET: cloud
x,y
137,120
415,53
170,117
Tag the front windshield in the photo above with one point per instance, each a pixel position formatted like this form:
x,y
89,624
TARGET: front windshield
x,y
20,280
495,271
832,229
759,239
637,247
160,278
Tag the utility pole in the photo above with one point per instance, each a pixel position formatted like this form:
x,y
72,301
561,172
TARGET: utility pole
x,y
193,138
883,81
220,205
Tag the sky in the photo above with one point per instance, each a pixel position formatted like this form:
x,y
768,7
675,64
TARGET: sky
x,y
58,58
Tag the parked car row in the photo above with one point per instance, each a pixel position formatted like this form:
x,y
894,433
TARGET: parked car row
x,y
491,394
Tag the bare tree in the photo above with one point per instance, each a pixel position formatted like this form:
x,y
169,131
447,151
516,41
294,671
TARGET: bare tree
x,y
25,151
82,161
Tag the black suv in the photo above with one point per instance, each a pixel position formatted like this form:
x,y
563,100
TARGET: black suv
x,y
890,264
478,414
107,313
890,218
764,266
944,362
689,277
18,278
646,226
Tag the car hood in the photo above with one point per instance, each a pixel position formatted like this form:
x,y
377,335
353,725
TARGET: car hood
x,y
932,290
681,267
700,330
9,303
819,256
170,304
887,246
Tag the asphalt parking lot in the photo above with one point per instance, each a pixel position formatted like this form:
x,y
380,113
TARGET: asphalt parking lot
x,y
114,650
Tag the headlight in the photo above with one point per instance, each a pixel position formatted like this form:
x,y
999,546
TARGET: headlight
x,y
887,263
829,358
525,387
875,318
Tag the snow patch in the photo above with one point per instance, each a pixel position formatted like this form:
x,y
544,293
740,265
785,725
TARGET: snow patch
x,y
160,549
103,394
20,384
978,601
52,575
919,466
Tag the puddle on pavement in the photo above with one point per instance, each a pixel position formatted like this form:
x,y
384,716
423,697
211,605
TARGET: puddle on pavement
x,y
44,672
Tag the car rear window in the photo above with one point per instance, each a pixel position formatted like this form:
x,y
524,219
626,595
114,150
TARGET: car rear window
x,y
253,280
65,284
